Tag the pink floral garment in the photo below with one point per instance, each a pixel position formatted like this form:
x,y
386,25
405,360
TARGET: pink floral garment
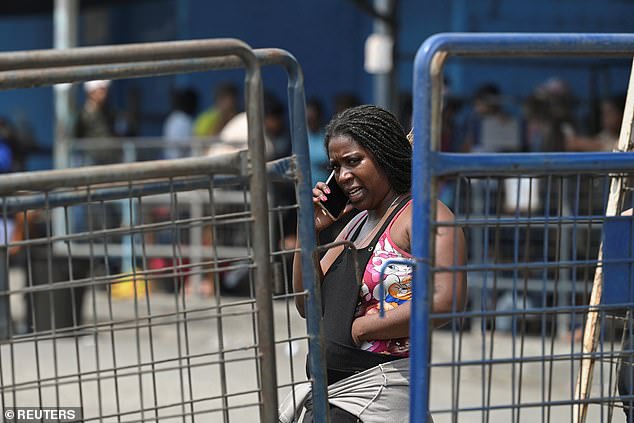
x,y
398,289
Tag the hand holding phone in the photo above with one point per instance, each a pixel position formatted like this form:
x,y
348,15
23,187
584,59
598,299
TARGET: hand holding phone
x,y
336,201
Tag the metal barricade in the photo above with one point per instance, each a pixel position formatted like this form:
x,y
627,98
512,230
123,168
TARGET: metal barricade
x,y
133,149
516,363
157,356
158,248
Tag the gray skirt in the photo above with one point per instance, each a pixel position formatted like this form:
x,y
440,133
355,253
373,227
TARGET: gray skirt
x,y
375,395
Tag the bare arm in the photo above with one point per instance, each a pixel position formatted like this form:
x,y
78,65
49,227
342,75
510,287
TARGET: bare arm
x,y
298,285
322,221
578,143
394,324
450,288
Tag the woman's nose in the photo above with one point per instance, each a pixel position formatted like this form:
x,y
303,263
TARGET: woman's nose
x,y
344,175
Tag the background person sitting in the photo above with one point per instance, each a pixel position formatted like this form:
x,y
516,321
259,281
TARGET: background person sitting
x,y
608,137
315,126
96,120
489,127
225,107
178,127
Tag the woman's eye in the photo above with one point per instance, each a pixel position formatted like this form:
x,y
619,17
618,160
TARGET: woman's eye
x,y
353,161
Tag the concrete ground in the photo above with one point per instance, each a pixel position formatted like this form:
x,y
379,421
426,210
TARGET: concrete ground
x,y
516,385
172,369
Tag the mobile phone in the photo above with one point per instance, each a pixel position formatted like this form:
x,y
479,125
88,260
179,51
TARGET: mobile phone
x,y
336,200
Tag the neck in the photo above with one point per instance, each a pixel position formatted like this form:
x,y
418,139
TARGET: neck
x,y
376,215
391,200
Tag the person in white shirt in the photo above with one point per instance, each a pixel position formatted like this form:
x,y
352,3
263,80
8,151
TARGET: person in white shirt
x,y
178,127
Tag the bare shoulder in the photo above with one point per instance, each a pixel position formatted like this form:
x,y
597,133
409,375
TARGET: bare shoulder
x,y
450,241
401,229
443,213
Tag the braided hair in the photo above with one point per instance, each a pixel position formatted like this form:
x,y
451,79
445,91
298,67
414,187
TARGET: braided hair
x,y
379,132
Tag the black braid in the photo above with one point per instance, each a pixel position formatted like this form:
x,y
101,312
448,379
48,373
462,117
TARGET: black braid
x,y
379,132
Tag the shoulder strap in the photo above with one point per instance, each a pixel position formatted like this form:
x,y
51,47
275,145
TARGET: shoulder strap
x,y
387,222
389,228
354,224
356,228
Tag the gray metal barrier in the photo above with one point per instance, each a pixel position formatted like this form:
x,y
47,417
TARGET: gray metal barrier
x,y
48,365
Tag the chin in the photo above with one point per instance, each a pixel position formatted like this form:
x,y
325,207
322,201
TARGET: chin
x,y
359,205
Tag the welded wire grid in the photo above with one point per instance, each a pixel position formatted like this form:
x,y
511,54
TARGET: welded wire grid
x,y
107,311
514,354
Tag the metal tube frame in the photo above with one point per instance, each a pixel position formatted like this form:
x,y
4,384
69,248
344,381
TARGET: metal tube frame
x,y
428,66
42,68
232,163
306,227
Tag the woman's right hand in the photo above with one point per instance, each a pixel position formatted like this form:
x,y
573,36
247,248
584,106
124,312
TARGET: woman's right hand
x,y
323,219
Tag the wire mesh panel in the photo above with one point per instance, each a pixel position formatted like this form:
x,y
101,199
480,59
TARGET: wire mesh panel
x,y
106,309
514,354
105,318
534,224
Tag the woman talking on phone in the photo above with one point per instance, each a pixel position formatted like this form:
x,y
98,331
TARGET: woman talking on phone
x,y
371,159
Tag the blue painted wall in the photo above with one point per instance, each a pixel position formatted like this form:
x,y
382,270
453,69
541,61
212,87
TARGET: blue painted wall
x,y
518,77
29,106
327,37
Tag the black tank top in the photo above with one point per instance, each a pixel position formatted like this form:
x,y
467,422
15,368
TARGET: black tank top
x,y
340,295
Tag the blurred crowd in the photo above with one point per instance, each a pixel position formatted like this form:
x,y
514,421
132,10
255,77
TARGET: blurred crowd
x,y
17,143
551,118
548,120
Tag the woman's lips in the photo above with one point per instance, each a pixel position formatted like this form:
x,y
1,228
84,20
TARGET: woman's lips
x,y
355,194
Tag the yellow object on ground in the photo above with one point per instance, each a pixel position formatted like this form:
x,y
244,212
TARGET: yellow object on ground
x,y
124,286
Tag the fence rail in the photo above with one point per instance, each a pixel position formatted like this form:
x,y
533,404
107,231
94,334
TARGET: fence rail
x,y
532,256
221,357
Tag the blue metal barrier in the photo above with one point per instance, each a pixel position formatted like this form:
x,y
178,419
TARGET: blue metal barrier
x,y
430,164
617,253
306,227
